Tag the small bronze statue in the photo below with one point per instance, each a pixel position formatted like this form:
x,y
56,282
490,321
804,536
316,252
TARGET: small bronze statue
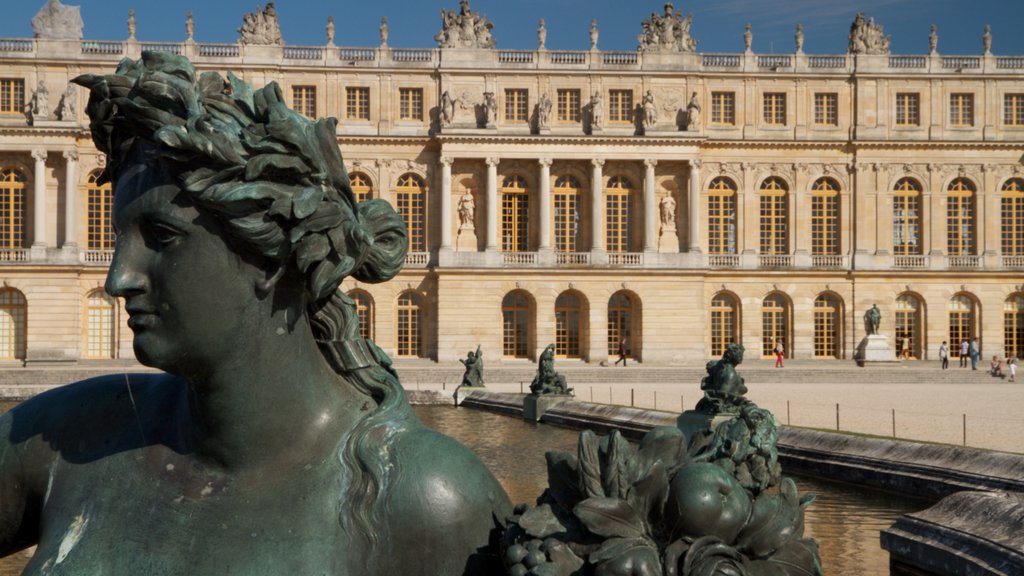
x,y
723,387
547,381
872,318
474,374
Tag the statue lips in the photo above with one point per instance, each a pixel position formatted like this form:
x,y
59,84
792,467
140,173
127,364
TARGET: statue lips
x,y
140,318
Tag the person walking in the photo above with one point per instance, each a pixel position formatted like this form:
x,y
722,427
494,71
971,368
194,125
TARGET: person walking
x,y
964,349
944,355
1011,363
906,348
622,352
975,353
780,351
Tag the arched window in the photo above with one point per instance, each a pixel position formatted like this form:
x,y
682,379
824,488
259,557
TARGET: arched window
x,y
515,315
1013,326
361,186
961,320
567,214
12,209
623,322
409,325
774,324
100,325
1012,215
515,215
570,315
906,218
411,199
724,322
99,199
908,326
774,220
619,215
13,311
960,218
722,216
825,218
364,312
828,321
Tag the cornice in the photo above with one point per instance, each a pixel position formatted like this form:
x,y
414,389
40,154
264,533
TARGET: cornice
x,y
604,140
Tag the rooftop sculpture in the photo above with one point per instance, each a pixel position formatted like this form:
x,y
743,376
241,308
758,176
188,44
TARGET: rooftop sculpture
x,y
56,21
261,27
866,37
667,33
465,29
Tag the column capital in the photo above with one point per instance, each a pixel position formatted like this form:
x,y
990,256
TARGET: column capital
x,y
597,162
545,162
71,155
492,161
650,162
696,163
447,160
39,155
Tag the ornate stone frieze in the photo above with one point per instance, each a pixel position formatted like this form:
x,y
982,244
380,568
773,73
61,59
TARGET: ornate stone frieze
x,y
667,33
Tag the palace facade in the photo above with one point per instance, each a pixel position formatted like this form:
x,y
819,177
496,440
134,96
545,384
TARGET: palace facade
x,y
679,200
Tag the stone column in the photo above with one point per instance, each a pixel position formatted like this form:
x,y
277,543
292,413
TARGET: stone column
x,y
596,197
544,210
492,204
693,207
650,208
70,195
446,202
39,199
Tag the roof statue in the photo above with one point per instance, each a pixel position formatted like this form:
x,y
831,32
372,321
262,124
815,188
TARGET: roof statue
x,y
261,28
866,37
667,33
465,29
56,21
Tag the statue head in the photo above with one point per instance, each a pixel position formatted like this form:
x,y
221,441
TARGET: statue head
x,y
733,354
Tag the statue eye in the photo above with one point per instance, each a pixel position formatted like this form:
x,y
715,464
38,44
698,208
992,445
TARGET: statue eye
x,y
163,234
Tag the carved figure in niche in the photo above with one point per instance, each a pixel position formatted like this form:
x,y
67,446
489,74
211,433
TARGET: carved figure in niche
x,y
342,462
190,27
986,40
667,209
131,24
56,21
872,318
38,107
933,40
693,113
866,37
668,33
650,110
447,109
330,30
474,374
467,211
799,39
596,111
384,31
748,39
544,106
465,29
67,110
542,35
490,109
547,381
593,34
261,27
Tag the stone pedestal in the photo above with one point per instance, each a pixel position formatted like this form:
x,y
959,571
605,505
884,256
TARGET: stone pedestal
x,y
465,240
691,422
462,392
534,406
668,239
875,349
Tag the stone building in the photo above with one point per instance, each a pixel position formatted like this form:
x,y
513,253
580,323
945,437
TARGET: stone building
x,y
677,199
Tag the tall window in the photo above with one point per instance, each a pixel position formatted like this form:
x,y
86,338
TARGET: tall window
x,y
12,96
961,320
99,315
774,220
1013,327
99,200
1011,214
619,215
412,207
908,327
827,322
908,109
515,209
961,109
409,324
12,209
960,218
825,217
12,324
620,106
304,100
361,187
774,324
826,109
410,104
723,108
722,216
724,322
622,320
567,214
1013,109
357,103
906,218
515,310
569,107
516,105
775,108
364,312
569,316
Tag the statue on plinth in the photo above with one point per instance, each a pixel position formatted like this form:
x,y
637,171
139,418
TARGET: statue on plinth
x,y
467,211
667,211
474,374
330,30
190,28
798,38
596,112
542,35
131,25
748,40
933,40
547,381
872,318
594,33
384,33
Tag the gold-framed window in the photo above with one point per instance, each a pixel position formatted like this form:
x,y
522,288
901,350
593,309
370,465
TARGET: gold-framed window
x,y
908,327
619,218
1013,327
961,110
12,96
304,100
13,312
620,106
410,310
410,104
357,102
100,325
515,215
774,325
774,216
1011,216
908,109
960,218
364,312
12,209
774,108
569,105
825,217
515,315
826,109
724,322
410,196
827,321
906,218
99,203
566,198
961,321
569,327
1013,110
361,186
722,216
723,108
622,319
517,105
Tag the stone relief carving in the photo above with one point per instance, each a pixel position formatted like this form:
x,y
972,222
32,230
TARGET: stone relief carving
x,y
866,37
38,106
693,113
465,29
544,106
67,110
261,28
667,33
56,21
650,110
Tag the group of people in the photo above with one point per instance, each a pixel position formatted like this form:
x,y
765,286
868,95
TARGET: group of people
x,y
971,352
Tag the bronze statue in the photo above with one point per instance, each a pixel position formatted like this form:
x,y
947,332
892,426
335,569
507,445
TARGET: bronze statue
x,y
547,381
474,363
872,318
723,387
261,450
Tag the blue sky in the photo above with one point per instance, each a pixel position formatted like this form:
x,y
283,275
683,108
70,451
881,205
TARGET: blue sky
x,y
718,24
